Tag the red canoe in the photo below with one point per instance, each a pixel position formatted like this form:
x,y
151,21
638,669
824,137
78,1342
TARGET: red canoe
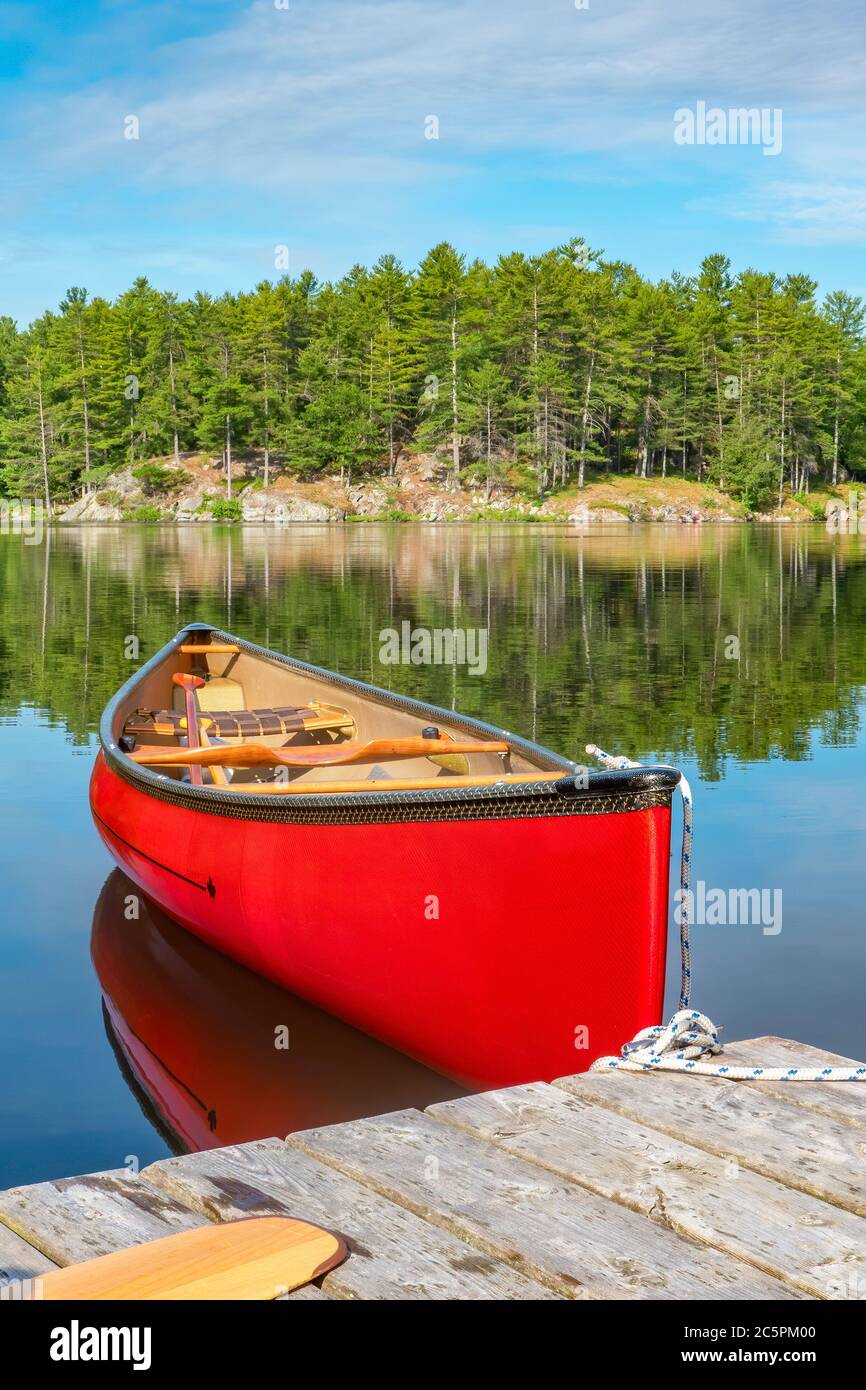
x,y
467,897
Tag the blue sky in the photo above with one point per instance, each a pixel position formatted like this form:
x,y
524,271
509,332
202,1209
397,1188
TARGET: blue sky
x,y
262,126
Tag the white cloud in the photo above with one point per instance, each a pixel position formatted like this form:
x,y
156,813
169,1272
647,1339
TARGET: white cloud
x,y
813,214
336,93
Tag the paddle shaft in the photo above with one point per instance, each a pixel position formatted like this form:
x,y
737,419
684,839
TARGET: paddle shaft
x,y
188,685
257,755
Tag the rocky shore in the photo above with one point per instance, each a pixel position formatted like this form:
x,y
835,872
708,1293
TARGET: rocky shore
x,y
194,491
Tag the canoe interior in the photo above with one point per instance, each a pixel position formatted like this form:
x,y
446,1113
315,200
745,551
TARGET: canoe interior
x,y
246,681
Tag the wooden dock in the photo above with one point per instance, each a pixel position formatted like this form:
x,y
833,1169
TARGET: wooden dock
x,y
601,1186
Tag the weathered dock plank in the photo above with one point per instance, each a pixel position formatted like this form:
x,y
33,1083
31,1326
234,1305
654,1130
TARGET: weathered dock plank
x,y
549,1228
19,1261
75,1219
393,1253
841,1100
743,1123
818,1248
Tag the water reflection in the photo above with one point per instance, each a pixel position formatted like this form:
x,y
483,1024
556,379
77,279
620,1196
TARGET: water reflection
x,y
202,1042
686,642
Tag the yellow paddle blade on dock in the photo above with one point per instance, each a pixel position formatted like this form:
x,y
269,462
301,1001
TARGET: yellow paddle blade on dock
x,y
259,1257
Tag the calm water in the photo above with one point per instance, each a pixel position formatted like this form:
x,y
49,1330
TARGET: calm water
x,y
117,1042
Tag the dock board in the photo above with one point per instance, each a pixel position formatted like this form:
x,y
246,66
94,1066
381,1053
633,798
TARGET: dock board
x,y
600,1186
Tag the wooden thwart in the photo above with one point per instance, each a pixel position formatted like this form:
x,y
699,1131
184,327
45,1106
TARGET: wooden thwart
x,y
258,1258
210,649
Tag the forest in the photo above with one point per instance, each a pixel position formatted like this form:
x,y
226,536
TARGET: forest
x,y
540,372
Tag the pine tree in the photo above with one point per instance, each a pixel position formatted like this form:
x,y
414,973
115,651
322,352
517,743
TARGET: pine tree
x,y
442,322
392,362
167,403
75,351
25,423
262,324
487,406
845,314
227,406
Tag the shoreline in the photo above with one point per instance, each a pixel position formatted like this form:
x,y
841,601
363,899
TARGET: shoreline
x,y
560,523
195,492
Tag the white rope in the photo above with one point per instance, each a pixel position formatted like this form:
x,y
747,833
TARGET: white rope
x,y
690,1036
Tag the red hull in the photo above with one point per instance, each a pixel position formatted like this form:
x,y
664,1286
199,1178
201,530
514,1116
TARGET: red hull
x,y
496,951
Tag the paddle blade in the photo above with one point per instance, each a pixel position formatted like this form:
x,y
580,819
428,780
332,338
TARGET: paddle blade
x,y
256,1258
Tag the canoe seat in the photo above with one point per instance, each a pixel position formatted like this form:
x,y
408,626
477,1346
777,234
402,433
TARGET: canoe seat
x,y
243,723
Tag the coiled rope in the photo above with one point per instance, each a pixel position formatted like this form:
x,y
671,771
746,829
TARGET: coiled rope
x,y
690,1036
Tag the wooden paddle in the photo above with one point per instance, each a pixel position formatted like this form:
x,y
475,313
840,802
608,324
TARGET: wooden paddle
x,y
328,755
257,1257
189,685
219,777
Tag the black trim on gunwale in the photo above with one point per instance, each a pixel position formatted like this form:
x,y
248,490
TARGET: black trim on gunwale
x,y
600,793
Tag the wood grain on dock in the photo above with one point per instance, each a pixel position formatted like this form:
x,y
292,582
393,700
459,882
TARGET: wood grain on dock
x,y
609,1185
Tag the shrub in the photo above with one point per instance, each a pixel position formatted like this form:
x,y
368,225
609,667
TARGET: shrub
x,y
146,513
813,505
156,480
226,509
749,476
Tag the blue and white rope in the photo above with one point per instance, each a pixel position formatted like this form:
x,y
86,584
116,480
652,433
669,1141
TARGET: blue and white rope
x,y
690,1036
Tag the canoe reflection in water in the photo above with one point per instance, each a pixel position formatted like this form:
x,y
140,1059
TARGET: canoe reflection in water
x,y
217,1055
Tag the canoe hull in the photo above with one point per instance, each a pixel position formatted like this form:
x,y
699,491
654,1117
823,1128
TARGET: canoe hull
x,y
496,950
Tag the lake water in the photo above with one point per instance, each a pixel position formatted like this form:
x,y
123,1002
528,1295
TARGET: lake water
x,y
738,653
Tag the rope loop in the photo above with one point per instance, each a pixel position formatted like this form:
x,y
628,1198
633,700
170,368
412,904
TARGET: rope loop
x,y
690,1037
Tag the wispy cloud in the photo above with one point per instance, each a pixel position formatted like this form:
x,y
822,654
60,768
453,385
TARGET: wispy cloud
x,y
261,125
808,214
339,92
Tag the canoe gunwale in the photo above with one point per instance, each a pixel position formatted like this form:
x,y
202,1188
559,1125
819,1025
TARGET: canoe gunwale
x,y
603,792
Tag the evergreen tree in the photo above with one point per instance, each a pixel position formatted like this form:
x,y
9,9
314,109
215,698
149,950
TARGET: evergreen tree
x,y
75,362
441,326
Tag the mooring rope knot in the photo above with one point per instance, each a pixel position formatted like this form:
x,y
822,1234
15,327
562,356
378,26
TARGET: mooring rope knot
x,y
681,1044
